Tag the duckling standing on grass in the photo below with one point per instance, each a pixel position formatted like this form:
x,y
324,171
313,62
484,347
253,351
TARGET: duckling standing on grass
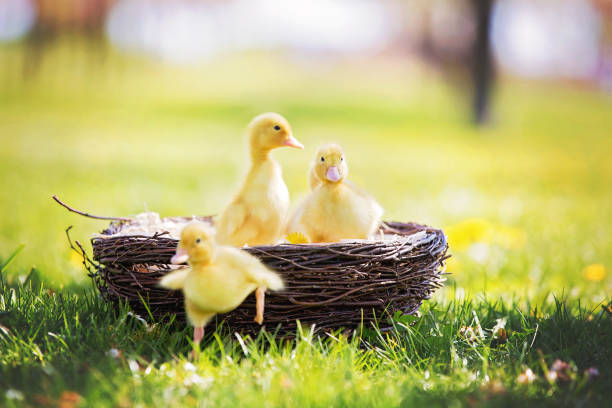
x,y
218,280
335,209
257,214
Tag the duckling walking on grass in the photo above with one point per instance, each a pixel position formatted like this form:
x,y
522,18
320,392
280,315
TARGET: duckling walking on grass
x,y
259,210
218,279
335,209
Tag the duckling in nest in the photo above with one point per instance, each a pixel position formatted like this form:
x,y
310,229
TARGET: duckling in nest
x,y
335,209
257,214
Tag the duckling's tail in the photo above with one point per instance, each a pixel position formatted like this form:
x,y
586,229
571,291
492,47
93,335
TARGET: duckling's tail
x,y
269,280
174,280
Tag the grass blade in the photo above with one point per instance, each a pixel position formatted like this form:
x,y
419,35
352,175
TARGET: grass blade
x,y
12,257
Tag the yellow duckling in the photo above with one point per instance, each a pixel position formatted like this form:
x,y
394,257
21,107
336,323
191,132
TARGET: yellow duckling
x,y
335,209
218,280
313,177
257,213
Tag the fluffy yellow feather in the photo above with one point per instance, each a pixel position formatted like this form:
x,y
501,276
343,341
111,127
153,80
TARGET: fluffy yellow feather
x,y
218,278
259,210
335,209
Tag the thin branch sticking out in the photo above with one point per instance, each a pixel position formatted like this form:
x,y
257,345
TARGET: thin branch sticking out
x,y
84,214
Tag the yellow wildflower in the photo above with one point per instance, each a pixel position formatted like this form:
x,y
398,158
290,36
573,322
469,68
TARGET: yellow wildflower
x,y
76,259
465,233
296,238
479,230
594,272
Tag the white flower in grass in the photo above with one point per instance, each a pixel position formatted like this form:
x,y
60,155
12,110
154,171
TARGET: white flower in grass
x,y
500,324
526,377
13,394
134,366
499,330
194,379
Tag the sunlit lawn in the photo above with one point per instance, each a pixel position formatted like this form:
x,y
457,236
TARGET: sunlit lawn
x,y
526,203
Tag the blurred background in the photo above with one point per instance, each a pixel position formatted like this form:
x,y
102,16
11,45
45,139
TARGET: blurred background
x,y
491,119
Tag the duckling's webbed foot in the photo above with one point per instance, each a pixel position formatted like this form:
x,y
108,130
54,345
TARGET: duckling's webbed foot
x,y
260,297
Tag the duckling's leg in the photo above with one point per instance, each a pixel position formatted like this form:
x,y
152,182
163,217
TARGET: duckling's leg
x,y
260,296
198,334
198,320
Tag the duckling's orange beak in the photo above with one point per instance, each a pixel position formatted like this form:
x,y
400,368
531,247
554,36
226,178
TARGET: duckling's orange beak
x,y
180,257
293,142
332,173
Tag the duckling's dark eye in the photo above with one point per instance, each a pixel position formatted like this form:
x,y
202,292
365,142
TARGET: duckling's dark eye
x,y
342,159
322,158
198,240
276,127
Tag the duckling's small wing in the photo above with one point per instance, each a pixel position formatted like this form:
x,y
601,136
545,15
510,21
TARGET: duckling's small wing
x,y
252,267
175,280
267,278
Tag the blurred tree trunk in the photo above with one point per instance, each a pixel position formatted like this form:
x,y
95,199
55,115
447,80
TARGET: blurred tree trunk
x,y
482,69
77,18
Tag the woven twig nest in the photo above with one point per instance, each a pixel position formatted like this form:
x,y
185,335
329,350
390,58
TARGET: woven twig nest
x,y
331,286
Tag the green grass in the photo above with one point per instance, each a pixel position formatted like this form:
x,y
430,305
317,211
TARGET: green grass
x,y
524,202
54,343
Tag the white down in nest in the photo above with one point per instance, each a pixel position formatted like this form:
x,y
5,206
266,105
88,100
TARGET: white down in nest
x,y
149,224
